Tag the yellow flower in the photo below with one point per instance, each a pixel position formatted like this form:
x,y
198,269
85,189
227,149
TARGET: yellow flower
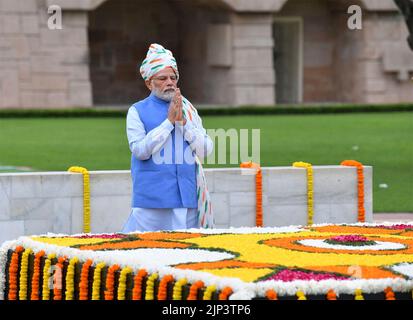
x,y
86,196
208,292
23,274
46,276
70,288
97,281
301,295
149,295
122,282
177,290
310,188
358,295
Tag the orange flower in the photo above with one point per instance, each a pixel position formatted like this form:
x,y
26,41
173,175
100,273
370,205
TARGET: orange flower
x,y
225,293
360,187
84,280
389,294
110,282
168,235
137,288
58,277
271,295
193,291
36,275
331,295
13,273
163,287
135,244
258,191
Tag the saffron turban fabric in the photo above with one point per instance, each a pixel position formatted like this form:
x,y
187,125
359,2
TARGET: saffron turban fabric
x,y
157,58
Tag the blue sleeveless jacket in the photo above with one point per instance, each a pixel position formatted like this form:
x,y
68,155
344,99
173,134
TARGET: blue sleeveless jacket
x,y
166,185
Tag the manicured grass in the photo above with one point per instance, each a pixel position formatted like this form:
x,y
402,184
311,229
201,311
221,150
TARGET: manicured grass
x,y
382,140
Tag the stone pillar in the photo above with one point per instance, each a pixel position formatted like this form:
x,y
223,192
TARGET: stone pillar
x,y
386,60
252,79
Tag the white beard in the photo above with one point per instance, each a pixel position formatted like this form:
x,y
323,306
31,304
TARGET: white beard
x,y
167,96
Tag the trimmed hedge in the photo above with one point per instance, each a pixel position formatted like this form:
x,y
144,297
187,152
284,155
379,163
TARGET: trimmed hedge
x,y
215,111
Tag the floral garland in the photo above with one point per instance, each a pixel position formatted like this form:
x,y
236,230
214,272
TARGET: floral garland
x,y
122,282
177,290
270,294
331,295
58,279
150,287
389,294
23,274
70,278
138,281
97,281
360,187
36,275
258,191
351,240
310,189
358,295
225,293
268,275
193,290
13,270
84,280
86,196
301,295
209,292
163,287
46,276
110,282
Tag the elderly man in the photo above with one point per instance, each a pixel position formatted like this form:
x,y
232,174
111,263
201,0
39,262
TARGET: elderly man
x,y
167,141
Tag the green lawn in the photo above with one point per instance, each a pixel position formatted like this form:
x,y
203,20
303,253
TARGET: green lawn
x,y
382,140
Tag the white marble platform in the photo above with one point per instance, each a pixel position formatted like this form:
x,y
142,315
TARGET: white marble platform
x,y
41,202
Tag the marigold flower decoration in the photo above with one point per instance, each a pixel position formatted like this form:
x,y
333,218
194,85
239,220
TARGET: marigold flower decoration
x,y
86,196
258,190
360,187
310,189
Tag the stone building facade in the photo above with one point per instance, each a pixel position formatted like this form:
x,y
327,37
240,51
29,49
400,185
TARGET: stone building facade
x,y
229,52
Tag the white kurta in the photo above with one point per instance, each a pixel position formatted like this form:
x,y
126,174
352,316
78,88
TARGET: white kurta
x,y
142,146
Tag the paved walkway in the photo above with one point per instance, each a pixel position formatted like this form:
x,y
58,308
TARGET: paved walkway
x,y
393,217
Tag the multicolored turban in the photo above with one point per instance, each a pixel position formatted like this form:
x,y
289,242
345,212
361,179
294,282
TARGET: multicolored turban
x,y
157,58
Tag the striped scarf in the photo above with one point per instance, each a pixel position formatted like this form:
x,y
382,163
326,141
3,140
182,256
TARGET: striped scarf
x,y
205,212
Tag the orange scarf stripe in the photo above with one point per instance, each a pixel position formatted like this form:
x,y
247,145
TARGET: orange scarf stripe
x,y
360,187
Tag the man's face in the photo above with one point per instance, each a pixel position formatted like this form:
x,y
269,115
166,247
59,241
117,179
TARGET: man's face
x,y
163,84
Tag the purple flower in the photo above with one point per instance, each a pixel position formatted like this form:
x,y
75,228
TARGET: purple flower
x,y
397,226
291,275
349,238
